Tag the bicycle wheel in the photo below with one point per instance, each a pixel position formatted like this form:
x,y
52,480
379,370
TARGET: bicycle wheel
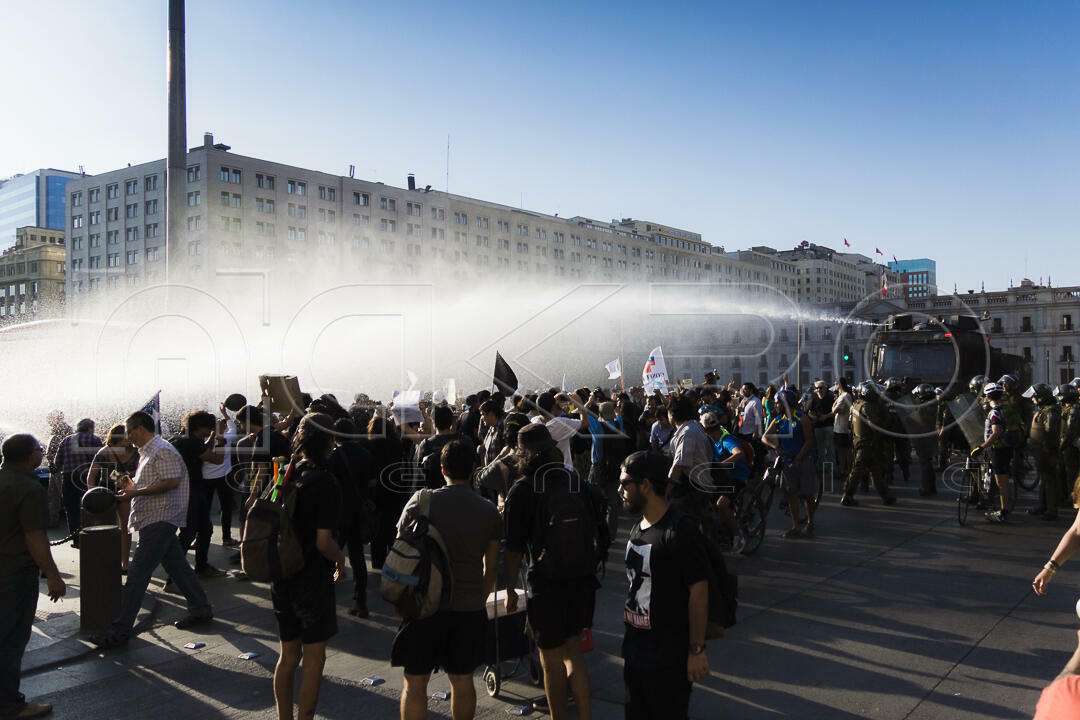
x,y
964,501
751,517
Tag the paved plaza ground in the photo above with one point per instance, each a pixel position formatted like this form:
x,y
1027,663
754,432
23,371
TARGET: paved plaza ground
x,y
889,613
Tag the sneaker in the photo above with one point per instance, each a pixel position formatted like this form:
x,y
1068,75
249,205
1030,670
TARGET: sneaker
x,y
34,710
211,572
849,501
190,621
793,534
997,516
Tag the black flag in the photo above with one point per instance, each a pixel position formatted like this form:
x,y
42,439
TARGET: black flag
x,y
505,380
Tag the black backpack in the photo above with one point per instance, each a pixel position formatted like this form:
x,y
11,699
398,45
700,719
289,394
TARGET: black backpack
x,y
723,585
567,543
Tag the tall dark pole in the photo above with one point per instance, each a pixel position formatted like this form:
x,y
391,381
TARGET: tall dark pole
x,y
177,159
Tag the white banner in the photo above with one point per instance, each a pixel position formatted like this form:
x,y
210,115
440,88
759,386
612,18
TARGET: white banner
x,y
614,369
654,376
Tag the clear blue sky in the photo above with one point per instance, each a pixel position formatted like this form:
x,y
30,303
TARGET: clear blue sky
x,y
936,129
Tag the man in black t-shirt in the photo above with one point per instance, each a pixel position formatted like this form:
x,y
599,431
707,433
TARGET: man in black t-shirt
x,y
196,443
667,606
354,468
429,450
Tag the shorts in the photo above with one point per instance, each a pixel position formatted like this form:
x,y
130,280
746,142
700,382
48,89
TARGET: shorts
x,y
560,611
841,440
657,693
799,478
1001,460
451,640
305,608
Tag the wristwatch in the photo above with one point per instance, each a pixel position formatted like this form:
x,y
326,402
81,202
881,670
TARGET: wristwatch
x,y
697,649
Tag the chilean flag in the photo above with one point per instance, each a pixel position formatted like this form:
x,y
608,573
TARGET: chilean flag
x,y
846,243
884,283
878,251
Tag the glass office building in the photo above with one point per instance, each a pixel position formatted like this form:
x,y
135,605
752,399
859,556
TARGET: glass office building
x,y
36,199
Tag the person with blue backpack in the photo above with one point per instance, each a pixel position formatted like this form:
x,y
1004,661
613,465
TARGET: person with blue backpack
x,y
791,434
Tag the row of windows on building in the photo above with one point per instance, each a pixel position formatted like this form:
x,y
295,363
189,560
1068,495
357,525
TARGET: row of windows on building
x,y
24,268
112,237
131,210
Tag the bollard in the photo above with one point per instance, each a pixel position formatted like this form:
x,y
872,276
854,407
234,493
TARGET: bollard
x,y
99,574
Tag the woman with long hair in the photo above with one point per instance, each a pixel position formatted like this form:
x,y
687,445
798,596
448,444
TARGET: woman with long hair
x,y
121,457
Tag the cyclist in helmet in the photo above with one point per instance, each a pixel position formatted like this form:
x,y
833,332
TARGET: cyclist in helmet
x,y
1043,438
1069,443
868,418
791,434
923,425
999,437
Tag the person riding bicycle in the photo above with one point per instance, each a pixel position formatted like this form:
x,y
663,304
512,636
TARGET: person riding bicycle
x,y
999,436
730,473
1044,436
791,434
868,418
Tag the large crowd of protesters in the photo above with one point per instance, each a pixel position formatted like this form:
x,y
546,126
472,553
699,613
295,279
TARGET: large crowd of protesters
x,y
491,463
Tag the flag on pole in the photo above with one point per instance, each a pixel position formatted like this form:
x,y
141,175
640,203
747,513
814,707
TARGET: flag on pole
x,y
846,243
614,369
451,391
564,382
153,409
878,251
504,379
654,376
896,262
884,282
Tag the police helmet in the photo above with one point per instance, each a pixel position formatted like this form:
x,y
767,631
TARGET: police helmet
x,y
1043,393
923,392
939,391
976,385
894,385
1066,393
867,389
1075,382
1007,381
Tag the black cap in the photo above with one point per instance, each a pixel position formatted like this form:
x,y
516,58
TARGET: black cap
x,y
535,437
645,464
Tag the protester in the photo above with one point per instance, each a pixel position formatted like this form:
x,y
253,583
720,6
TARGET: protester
x,y
562,428
691,458
429,451
159,499
304,605
820,412
356,488
24,552
218,474
118,456
666,609
730,473
392,491
661,432
841,412
197,444
73,459
453,638
58,430
561,571
492,413
791,434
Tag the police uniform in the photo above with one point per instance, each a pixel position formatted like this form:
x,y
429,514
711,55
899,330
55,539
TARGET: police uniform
x,y
1070,453
1024,409
867,416
898,438
924,422
1044,436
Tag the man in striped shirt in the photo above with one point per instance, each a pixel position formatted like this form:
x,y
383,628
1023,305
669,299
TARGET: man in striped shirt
x,y
159,500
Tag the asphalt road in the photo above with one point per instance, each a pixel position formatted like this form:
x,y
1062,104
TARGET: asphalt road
x,y
888,613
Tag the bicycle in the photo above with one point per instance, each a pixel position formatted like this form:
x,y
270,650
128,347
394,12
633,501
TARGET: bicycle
x,y
979,488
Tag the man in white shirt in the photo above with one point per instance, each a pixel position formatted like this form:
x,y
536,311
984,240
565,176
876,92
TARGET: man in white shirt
x,y
159,504
560,427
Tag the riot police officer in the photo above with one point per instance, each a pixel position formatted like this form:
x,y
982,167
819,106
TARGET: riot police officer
x,y
868,418
923,421
945,429
896,402
976,388
1069,398
1044,437
1011,386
